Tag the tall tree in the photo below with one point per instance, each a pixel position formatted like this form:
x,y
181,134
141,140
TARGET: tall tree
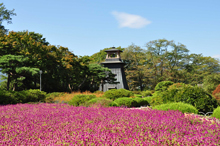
x,y
136,67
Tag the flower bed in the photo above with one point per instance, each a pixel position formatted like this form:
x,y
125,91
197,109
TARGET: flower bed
x,y
61,124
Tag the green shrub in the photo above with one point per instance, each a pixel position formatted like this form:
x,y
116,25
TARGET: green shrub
x,y
117,93
148,99
162,86
101,102
216,113
193,95
127,102
50,96
25,96
146,93
138,95
80,99
183,107
7,97
197,97
34,95
141,102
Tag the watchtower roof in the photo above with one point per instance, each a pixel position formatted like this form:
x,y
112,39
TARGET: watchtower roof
x,y
113,50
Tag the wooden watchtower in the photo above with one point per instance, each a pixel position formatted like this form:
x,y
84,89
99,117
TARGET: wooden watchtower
x,y
113,62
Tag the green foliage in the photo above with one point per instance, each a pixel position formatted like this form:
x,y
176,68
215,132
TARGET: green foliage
x,y
127,102
148,99
101,102
141,102
80,99
25,96
211,81
34,95
183,107
146,93
5,15
138,95
216,113
193,95
117,93
50,96
197,97
163,86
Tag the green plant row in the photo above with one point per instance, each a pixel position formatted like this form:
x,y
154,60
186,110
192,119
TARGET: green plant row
x,y
183,107
25,96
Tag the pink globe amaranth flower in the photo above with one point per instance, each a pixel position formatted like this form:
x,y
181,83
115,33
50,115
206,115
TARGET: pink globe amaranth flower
x,y
57,124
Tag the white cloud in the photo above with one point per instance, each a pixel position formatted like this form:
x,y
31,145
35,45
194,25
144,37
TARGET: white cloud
x,y
130,20
216,56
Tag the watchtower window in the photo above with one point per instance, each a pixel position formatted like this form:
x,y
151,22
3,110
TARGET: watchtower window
x,y
113,55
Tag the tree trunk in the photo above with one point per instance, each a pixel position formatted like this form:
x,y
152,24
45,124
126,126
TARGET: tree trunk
x,y
8,82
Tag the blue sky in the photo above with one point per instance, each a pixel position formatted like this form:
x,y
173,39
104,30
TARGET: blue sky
x,y
87,26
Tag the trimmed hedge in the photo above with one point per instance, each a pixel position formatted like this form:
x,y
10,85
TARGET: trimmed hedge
x,y
183,107
127,102
117,93
148,99
141,102
80,99
216,113
163,86
101,102
146,93
25,96
193,95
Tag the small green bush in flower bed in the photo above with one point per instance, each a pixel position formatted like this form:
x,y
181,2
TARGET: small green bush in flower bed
x,y
148,99
101,102
127,102
183,107
80,99
146,93
117,93
216,113
141,102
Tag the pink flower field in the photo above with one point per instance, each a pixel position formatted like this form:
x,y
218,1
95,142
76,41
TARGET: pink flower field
x,y
61,124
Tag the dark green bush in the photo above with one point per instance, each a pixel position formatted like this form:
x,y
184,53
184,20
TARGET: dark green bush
x,y
101,102
163,86
148,99
197,97
117,93
81,99
146,93
141,102
216,113
50,96
127,102
7,97
25,96
183,107
35,95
